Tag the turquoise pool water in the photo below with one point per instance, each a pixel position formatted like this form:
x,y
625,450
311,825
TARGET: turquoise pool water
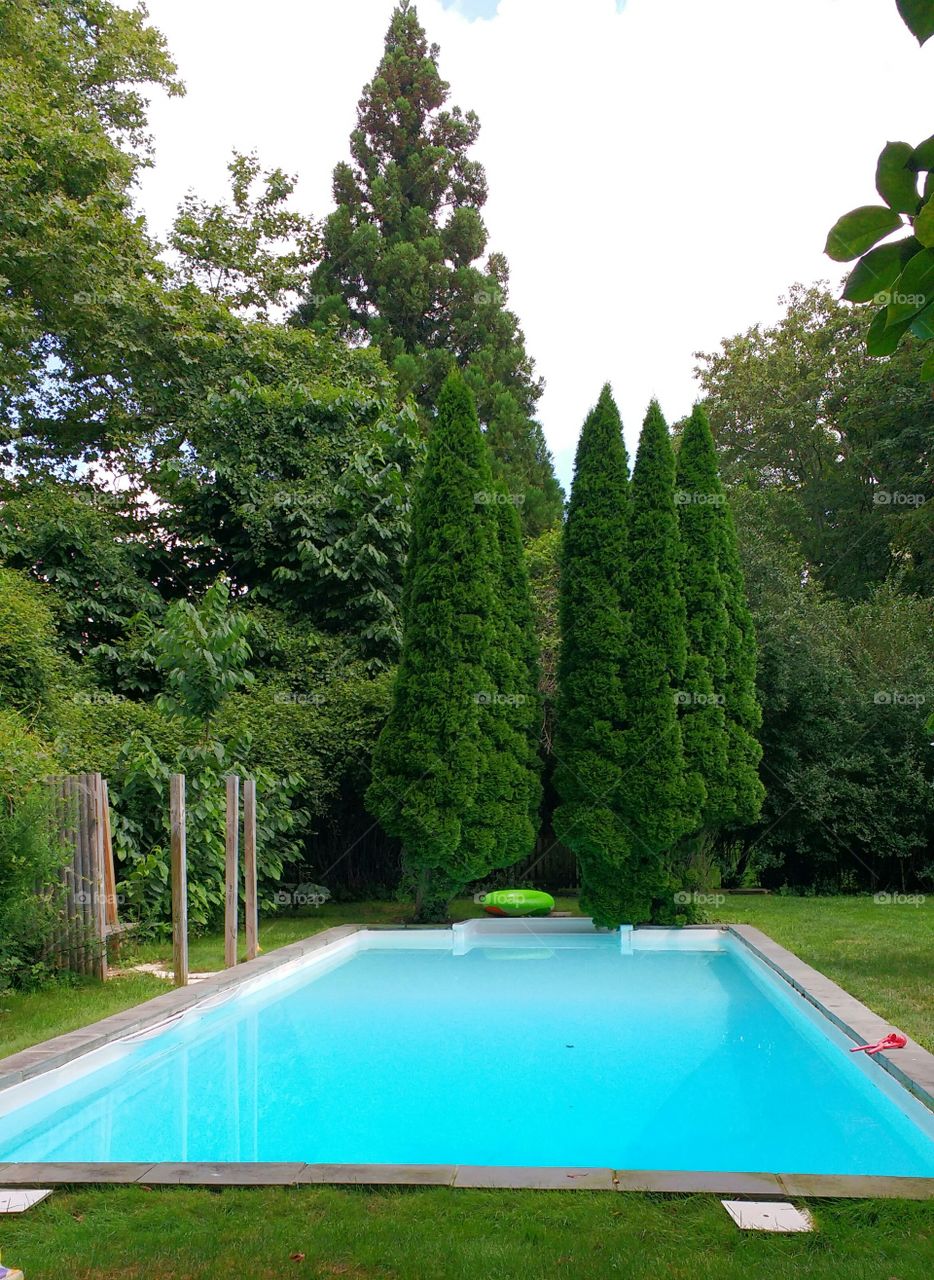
x,y
524,1050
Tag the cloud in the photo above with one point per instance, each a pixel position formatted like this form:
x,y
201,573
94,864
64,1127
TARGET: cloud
x,y
656,181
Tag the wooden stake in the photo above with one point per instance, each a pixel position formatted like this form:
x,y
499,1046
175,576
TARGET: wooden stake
x,y
231,872
70,874
110,875
85,874
249,867
179,880
97,886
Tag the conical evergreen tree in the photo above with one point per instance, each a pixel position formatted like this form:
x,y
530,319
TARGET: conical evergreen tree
x,y
504,823
700,499
591,702
738,687
430,756
662,801
403,263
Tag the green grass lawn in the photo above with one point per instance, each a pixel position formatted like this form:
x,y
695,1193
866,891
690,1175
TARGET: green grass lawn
x,y
882,954
436,1234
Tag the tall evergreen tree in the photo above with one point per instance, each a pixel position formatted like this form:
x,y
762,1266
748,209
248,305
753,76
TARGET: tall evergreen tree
x,y
701,502
662,800
591,817
505,820
446,771
402,263
738,689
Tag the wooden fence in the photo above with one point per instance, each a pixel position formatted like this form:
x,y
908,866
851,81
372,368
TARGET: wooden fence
x,y
88,914
81,815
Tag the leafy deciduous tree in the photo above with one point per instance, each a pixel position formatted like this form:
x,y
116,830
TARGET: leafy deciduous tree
x,y
842,447
80,276
253,254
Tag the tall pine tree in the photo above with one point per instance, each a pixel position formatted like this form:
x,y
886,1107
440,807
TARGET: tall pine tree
x,y
591,817
662,800
701,500
403,263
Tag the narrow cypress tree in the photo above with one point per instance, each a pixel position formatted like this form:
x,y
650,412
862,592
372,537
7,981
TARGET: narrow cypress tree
x,y
429,758
504,823
591,706
662,801
738,687
701,503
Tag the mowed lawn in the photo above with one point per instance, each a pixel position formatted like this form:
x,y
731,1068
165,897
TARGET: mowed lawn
x,y
129,1233
883,954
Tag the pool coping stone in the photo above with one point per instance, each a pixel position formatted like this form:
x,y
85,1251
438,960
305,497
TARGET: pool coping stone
x,y
912,1066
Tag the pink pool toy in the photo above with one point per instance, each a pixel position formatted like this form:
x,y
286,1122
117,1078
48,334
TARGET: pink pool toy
x,y
894,1040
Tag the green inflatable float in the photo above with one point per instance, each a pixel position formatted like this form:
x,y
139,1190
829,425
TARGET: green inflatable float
x,y
518,902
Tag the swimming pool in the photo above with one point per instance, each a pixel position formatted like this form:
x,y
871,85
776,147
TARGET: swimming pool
x,y
538,1043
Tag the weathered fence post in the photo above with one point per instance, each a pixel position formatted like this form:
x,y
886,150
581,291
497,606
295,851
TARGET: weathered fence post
x,y
110,877
231,872
249,867
97,890
83,877
179,880
71,929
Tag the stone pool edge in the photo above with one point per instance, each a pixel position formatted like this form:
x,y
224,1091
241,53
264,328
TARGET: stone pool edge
x,y
63,1049
915,1072
912,1066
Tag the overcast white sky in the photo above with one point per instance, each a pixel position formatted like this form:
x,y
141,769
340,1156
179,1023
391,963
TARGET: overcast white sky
x,y
658,176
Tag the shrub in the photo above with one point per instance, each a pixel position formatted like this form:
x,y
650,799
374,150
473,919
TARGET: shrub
x,y
28,660
29,856
141,827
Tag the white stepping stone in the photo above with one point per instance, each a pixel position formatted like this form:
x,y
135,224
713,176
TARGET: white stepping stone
x,y
19,1201
766,1215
